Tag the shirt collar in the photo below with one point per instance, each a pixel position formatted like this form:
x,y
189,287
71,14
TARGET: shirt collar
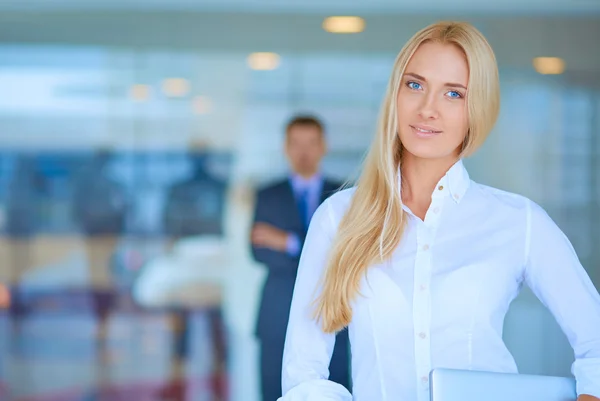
x,y
301,183
454,183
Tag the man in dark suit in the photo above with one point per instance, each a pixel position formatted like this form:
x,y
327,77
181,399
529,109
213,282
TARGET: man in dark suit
x,y
283,211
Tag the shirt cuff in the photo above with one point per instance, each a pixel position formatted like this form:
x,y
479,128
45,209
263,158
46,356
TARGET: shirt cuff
x,y
322,390
293,245
587,375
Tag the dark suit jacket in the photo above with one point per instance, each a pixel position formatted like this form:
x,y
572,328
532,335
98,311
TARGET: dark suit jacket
x,y
276,205
195,206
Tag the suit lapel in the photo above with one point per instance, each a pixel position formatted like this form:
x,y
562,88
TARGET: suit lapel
x,y
328,189
290,199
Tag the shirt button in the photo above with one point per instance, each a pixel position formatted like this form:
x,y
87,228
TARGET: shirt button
x,y
423,287
424,379
456,196
422,335
441,188
425,247
436,210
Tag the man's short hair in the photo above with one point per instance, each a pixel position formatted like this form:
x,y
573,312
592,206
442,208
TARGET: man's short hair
x,y
305,120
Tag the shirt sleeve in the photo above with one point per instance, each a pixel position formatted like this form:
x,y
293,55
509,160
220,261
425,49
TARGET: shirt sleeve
x,y
555,275
308,349
293,244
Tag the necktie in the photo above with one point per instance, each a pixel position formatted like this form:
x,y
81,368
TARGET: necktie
x,y
303,207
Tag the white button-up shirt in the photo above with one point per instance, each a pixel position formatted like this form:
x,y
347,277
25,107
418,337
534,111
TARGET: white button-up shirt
x,y
441,299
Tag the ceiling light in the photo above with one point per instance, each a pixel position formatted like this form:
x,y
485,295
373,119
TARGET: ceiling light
x,y
549,65
344,24
201,105
263,61
140,92
175,87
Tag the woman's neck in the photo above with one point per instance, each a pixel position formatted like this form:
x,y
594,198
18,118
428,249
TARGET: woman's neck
x,y
419,178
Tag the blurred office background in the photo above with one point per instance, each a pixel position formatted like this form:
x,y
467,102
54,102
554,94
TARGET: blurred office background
x,y
133,134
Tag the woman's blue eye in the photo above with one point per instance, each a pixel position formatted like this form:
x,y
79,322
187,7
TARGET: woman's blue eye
x,y
414,85
454,95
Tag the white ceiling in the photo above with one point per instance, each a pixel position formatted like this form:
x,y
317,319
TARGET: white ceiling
x,y
516,36
316,6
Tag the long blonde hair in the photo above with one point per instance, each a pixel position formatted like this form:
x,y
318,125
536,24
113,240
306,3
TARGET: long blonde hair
x,y
374,223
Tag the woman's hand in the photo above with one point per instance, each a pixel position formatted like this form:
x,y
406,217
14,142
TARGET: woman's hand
x,y
585,397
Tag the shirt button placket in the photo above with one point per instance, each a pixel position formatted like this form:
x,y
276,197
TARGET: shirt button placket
x,y
422,308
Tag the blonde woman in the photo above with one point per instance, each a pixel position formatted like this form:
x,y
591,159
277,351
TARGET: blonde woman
x,y
420,263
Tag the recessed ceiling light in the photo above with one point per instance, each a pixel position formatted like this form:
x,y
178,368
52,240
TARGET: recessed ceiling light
x,y
263,61
549,65
202,105
340,24
140,92
175,87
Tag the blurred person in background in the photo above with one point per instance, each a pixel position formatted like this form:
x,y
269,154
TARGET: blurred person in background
x,y
194,208
419,262
22,217
99,209
283,212
4,305
4,297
